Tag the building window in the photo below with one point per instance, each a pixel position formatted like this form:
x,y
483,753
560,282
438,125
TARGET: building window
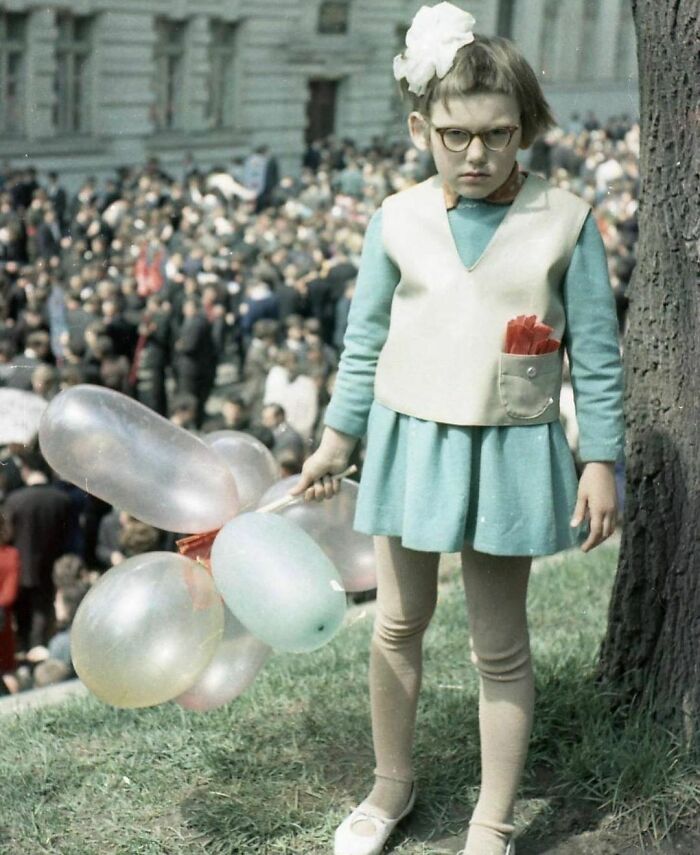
x,y
222,79
397,104
71,114
625,52
169,65
13,28
333,18
589,42
548,38
504,24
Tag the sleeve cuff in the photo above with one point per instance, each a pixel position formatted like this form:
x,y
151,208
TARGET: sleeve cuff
x,y
601,452
345,423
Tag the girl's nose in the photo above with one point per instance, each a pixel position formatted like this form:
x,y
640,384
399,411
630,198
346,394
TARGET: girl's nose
x,y
476,151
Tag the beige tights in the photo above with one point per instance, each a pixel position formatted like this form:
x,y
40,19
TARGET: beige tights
x,y
496,591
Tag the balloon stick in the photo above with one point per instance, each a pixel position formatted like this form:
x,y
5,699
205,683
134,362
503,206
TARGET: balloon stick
x,y
285,501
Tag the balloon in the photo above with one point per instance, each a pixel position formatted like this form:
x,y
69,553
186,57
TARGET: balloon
x,y
251,463
128,455
236,663
278,582
329,523
146,630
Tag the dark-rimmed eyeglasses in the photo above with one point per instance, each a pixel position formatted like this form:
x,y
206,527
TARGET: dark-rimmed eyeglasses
x,y
459,139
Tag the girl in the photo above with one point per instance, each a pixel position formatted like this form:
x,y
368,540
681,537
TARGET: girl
x,y
469,283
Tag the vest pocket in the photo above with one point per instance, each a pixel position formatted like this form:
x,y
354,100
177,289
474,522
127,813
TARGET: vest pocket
x,y
528,385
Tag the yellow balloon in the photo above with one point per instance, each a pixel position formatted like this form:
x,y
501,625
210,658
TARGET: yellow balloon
x,y
146,630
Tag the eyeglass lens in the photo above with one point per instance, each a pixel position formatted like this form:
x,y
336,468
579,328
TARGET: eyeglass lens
x,y
496,139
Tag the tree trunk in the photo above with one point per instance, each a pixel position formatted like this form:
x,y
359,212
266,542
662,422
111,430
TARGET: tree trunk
x,y
652,648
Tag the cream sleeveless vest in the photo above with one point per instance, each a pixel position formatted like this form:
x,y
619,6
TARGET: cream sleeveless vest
x,y
442,360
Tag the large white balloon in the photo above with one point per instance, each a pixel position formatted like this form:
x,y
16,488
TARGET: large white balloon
x,y
278,582
235,665
251,463
125,453
329,523
147,629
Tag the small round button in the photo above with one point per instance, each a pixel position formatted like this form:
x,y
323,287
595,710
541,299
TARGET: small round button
x,y
532,371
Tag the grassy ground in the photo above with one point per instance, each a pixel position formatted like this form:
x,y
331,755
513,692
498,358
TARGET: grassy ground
x,y
276,771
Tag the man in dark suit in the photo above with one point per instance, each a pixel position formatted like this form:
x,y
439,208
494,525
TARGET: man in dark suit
x,y
48,236
40,516
58,198
195,356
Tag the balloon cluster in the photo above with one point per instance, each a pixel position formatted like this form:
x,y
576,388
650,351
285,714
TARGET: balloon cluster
x,y
197,627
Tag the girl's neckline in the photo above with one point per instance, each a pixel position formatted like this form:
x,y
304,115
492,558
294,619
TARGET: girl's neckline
x,y
443,213
503,195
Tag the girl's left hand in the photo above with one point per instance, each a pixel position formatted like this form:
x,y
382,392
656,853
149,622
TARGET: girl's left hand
x,y
597,502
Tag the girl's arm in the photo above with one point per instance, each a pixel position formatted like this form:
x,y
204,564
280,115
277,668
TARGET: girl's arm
x,y
591,341
368,326
367,330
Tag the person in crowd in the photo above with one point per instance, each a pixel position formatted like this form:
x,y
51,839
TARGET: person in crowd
x,y
288,442
36,353
294,391
9,587
195,360
184,411
53,662
233,416
148,371
38,507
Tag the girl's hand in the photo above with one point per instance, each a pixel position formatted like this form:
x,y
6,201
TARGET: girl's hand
x,y
597,502
331,458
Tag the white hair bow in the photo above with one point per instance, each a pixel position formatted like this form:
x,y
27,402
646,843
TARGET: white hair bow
x,y
433,39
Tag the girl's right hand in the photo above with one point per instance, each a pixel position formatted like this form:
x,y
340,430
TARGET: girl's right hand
x,y
331,458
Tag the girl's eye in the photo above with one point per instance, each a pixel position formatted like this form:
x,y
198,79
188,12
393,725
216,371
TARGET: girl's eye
x,y
497,138
454,138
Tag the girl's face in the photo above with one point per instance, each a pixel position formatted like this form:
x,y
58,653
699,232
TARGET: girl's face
x,y
477,171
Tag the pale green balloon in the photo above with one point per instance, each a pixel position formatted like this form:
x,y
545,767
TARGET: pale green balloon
x,y
330,524
147,629
278,582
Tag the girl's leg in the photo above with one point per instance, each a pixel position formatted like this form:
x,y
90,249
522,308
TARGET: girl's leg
x,y
406,598
496,590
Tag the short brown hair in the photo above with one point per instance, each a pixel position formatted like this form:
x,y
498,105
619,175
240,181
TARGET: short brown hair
x,y
489,64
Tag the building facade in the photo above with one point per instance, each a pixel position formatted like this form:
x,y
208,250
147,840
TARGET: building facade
x,y
86,85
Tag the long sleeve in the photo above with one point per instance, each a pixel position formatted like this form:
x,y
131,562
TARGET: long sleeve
x,y
591,341
367,330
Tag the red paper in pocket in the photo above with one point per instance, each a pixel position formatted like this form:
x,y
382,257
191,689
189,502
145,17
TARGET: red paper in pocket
x,y
526,335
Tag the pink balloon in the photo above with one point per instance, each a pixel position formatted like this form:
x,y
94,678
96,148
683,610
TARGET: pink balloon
x,y
329,523
236,663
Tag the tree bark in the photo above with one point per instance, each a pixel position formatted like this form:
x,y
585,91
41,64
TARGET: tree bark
x,y
652,648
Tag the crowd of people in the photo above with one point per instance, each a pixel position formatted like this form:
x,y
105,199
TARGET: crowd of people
x,y
219,298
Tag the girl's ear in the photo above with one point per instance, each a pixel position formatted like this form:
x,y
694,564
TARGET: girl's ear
x,y
419,131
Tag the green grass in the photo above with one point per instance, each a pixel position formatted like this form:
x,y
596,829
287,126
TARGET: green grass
x,y
275,771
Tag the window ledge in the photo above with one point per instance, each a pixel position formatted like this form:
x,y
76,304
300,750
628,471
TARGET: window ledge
x,y
52,146
167,140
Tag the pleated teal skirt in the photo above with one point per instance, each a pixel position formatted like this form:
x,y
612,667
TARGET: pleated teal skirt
x,y
504,490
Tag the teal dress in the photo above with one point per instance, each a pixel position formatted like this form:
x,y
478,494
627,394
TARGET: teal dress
x,y
505,490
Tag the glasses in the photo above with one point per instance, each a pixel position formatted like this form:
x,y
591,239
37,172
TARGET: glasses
x,y
459,139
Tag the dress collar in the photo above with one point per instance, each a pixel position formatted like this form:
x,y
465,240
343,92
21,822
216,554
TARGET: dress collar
x,y
503,195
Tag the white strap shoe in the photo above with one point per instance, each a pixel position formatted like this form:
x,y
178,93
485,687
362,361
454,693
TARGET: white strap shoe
x,y
348,842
